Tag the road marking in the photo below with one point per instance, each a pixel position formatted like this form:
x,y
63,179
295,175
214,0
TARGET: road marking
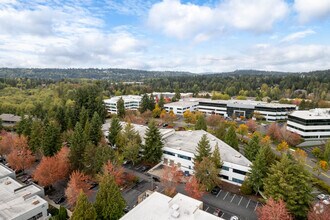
x,y
225,196
219,192
256,206
321,172
222,214
162,190
207,209
240,201
232,198
248,203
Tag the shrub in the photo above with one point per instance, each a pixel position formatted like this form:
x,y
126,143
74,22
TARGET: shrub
x,y
246,188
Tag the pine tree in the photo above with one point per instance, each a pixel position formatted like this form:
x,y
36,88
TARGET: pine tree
x,y
289,181
83,116
95,131
231,138
201,123
121,108
114,130
77,148
152,103
51,139
95,157
207,173
326,154
259,170
36,137
216,158
161,101
84,210
203,149
144,105
153,144
87,130
109,203
177,95
130,143
252,148
60,117
220,131
62,214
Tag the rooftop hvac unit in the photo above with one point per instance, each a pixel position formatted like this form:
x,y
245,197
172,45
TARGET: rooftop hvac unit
x,y
238,156
175,207
175,214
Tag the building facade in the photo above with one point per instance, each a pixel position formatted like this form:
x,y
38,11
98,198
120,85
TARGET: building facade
x,y
131,102
180,107
310,124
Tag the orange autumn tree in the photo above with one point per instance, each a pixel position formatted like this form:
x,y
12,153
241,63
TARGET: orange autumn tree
x,y
252,125
52,169
300,155
282,147
319,212
273,210
194,189
78,182
6,142
20,158
171,177
274,131
116,171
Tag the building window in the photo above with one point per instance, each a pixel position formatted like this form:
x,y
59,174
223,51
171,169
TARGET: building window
x,y
237,181
225,168
168,153
239,172
223,176
184,157
37,216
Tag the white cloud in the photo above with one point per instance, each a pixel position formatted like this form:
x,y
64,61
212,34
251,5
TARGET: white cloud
x,y
189,20
297,35
312,9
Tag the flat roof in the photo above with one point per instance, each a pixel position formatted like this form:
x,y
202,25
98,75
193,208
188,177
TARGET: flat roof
x,y
126,98
317,114
10,117
15,199
181,104
162,207
188,140
5,171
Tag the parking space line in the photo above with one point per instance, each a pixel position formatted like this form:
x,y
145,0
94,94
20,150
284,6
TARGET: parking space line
x,y
240,200
256,206
248,203
207,208
232,198
225,196
222,215
219,192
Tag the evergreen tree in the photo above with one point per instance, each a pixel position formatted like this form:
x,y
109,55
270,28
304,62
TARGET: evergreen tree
x,y
161,101
129,142
177,95
70,117
201,123
60,117
121,108
24,126
95,131
109,203
95,157
77,148
62,214
51,139
252,148
87,130
203,149
207,173
326,154
220,131
290,181
36,137
84,210
216,158
83,116
152,103
231,138
259,170
144,105
114,130
153,144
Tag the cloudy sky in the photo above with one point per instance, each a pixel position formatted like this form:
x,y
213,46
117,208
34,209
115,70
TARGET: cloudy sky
x,y
195,35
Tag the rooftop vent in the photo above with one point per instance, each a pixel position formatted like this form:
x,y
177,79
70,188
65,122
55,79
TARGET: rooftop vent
x,y
36,202
175,214
7,182
238,156
175,207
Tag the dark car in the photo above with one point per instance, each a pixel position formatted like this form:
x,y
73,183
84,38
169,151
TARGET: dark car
x,y
126,209
156,179
215,190
218,212
165,125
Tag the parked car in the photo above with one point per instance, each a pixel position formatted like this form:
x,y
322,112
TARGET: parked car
x,y
144,168
126,209
321,196
326,202
234,218
218,212
165,125
156,179
215,190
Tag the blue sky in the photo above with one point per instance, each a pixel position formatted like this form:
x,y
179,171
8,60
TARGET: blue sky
x,y
195,35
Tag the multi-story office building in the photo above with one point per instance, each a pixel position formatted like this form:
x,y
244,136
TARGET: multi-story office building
x,y
310,124
21,202
131,102
228,108
180,107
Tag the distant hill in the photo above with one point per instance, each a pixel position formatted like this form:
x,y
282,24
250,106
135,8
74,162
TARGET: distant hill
x,y
132,74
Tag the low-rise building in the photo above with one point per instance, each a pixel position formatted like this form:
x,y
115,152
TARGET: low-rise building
x,y
170,95
131,102
310,124
6,171
180,107
161,207
9,120
21,202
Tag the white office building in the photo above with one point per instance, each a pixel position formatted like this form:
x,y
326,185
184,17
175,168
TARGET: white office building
x,y
161,207
180,107
21,202
180,148
131,102
6,171
310,124
228,108
170,95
